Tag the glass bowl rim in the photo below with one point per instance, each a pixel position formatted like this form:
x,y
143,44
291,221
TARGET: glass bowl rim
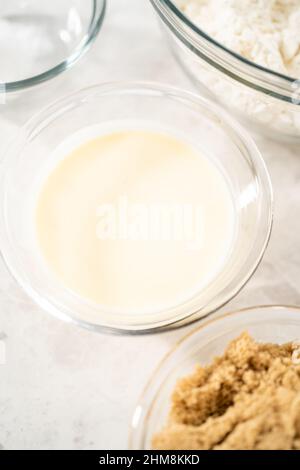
x,y
265,80
166,356
89,37
35,125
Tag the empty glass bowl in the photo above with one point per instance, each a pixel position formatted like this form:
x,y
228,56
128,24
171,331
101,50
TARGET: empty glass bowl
x,y
39,40
267,101
270,324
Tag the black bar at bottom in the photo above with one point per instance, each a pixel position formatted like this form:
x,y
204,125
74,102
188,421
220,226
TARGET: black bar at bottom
x,y
137,459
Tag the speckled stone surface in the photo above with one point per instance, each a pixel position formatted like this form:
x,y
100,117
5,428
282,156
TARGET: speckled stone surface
x,y
63,387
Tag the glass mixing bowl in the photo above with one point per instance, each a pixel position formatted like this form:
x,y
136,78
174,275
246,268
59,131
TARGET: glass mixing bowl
x,y
267,101
267,324
39,40
204,124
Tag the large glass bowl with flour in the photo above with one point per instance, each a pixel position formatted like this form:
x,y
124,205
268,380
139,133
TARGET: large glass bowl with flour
x,y
265,100
210,131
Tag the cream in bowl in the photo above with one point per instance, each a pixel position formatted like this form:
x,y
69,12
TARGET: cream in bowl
x,y
134,207
131,220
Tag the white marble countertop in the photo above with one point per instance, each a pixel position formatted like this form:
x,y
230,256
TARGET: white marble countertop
x,y
63,387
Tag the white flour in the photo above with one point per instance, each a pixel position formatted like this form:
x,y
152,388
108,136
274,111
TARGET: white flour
x,y
266,32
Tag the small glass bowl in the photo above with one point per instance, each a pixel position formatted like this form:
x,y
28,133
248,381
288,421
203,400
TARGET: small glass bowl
x,y
266,101
40,40
267,324
204,124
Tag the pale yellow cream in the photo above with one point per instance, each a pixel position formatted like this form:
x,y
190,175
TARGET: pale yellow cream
x,y
135,220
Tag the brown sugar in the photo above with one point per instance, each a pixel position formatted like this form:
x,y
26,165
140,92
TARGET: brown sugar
x,y
249,398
